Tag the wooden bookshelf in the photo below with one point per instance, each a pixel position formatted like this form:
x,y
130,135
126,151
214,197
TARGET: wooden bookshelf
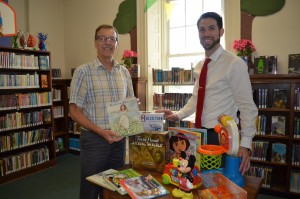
x,y
26,113
264,86
61,113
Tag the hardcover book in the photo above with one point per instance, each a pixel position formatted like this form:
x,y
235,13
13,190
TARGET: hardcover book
x,y
43,62
124,117
152,121
44,81
279,98
149,150
114,179
98,179
278,125
144,187
278,152
182,139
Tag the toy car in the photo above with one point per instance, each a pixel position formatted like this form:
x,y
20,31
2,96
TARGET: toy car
x,y
171,174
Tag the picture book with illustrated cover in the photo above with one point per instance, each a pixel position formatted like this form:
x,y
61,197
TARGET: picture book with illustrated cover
x,y
124,117
149,150
114,179
144,187
44,81
278,125
280,98
98,179
44,62
278,152
203,133
184,140
152,121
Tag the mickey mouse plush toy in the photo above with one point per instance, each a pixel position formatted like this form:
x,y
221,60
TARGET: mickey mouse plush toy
x,y
186,165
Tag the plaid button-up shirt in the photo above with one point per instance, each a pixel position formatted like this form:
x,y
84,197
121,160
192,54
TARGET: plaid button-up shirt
x,y
93,86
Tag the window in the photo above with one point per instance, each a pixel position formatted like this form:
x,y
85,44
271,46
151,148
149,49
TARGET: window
x,y
184,49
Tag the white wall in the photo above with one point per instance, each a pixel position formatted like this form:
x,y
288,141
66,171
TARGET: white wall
x,y
71,25
278,34
81,18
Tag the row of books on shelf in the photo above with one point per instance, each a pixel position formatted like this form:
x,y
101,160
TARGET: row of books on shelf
x,y
56,73
176,75
277,152
74,144
276,98
58,111
276,125
21,139
23,160
24,61
174,101
295,155
19,120
295,181
20,81
74,127
25,100
264,172
56,94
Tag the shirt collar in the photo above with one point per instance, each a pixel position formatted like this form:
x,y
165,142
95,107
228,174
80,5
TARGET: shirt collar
x,y
215,56
115,63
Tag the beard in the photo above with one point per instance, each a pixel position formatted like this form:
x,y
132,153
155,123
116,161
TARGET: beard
x,y
216,42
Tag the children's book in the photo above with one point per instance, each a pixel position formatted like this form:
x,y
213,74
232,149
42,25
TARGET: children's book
x,y
99,180
124,117
152,121
44,62
182,139
278,125
144,187
44,81
149,150
114,179
203,133
280,98
278,152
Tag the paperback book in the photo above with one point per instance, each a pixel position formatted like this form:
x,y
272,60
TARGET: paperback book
x,y
278,125
124,117
113,179
144,187
280,98
152,121
98,179
149,150
279,152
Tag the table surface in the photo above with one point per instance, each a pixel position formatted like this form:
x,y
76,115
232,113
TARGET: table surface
x,y
252,186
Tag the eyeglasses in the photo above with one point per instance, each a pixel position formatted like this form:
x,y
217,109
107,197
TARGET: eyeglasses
x,y
104,39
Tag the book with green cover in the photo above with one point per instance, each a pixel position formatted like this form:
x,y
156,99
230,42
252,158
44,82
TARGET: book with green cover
x,y
113,179
124,117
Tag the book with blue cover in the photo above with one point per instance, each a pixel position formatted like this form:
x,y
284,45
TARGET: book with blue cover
x,y
144,187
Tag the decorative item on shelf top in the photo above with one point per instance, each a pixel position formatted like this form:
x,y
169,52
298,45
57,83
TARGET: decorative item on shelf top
x,y
129,57
42,38
15,40
244,49
27,40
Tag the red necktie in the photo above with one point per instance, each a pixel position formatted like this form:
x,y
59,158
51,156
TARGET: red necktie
x,y
201,93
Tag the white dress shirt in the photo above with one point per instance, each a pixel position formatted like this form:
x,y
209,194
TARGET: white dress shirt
x,y
228,89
